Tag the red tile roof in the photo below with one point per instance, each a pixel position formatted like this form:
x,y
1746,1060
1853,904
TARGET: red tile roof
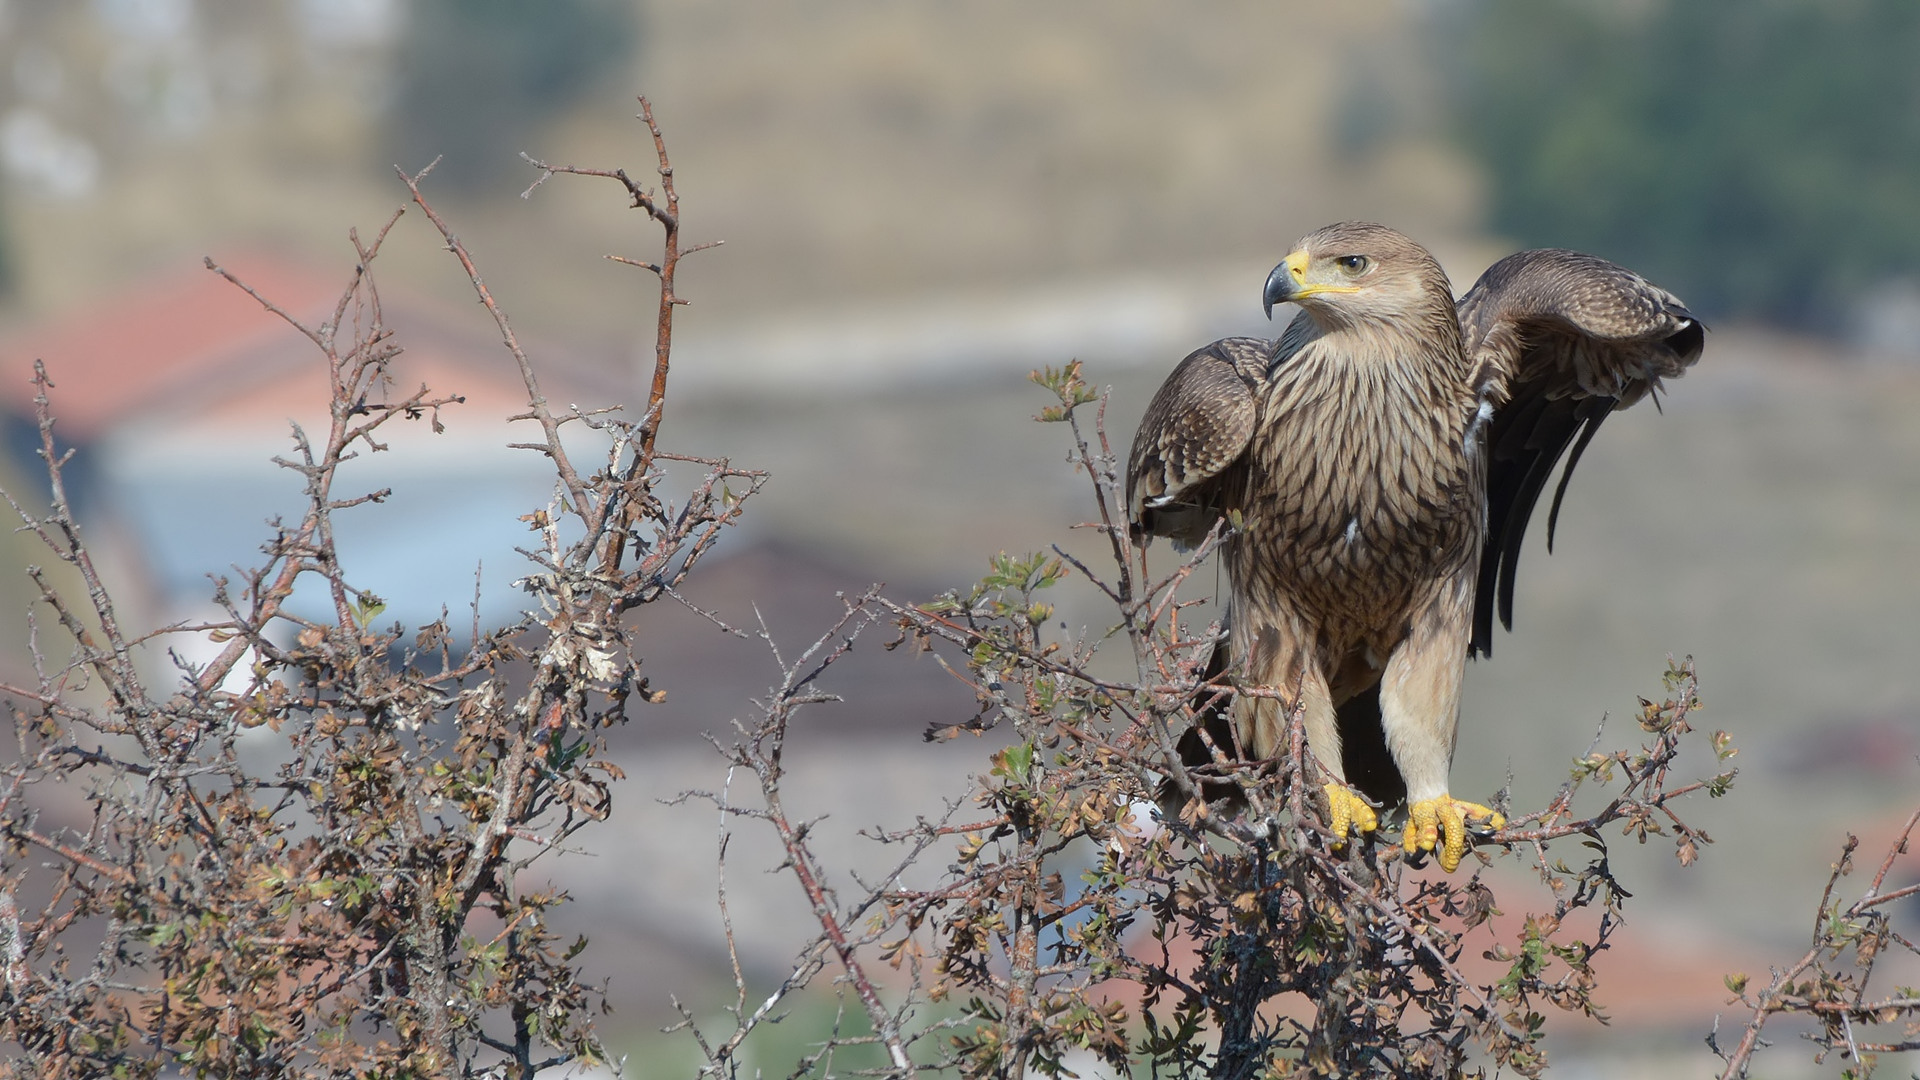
x,y
192,349
111,360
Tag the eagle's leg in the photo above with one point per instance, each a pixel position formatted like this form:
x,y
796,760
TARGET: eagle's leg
x,y
1419,710
1278,660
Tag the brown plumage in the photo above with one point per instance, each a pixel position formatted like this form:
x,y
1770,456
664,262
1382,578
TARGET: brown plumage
x,y
1384,457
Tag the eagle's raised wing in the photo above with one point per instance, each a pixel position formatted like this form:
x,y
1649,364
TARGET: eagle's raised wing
x,y
1195,429
1559,339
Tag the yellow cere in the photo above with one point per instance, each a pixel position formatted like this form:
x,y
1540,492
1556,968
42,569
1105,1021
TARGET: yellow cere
x,y
1296,264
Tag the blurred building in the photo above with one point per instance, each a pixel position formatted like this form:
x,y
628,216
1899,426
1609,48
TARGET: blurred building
x,y
178,394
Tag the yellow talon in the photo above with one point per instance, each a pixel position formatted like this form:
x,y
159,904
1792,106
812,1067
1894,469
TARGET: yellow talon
x,y
1428,818
1345,808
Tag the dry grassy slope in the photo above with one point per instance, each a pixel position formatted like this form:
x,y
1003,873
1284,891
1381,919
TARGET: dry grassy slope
x,y
876,147
845,150
853,152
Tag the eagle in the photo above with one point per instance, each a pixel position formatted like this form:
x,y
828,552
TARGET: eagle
x,y
1378,465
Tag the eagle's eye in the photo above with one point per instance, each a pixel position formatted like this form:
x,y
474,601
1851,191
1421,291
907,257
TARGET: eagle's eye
x,y
1352,265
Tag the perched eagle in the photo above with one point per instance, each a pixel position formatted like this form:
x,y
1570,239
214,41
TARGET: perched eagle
x,y
1383,457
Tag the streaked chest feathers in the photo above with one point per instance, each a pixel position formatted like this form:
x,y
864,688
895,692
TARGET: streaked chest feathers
x,y
1361,486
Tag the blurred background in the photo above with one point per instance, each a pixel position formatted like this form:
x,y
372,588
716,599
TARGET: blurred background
x,y
920,203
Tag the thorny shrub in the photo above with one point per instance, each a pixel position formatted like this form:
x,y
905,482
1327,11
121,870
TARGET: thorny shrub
x,y
1075,925
354,909
1829,983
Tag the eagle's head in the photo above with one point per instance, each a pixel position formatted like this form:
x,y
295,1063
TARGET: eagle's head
x,y
1357,272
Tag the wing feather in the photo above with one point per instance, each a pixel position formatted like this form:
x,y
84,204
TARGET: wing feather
x,y
1559,340
1194,431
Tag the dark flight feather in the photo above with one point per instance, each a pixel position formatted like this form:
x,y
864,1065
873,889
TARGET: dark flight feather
x,y
1563,339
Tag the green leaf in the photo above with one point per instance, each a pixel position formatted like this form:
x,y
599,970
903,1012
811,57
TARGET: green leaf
x,y
1015,763
367,607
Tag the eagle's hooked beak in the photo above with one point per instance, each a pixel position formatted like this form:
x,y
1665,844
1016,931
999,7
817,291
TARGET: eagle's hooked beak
x,y
1286,281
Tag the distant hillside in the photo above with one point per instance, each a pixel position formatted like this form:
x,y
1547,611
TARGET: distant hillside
x,y
843,149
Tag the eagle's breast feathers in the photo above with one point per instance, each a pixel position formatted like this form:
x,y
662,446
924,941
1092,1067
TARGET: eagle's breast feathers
x,y
1358,489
